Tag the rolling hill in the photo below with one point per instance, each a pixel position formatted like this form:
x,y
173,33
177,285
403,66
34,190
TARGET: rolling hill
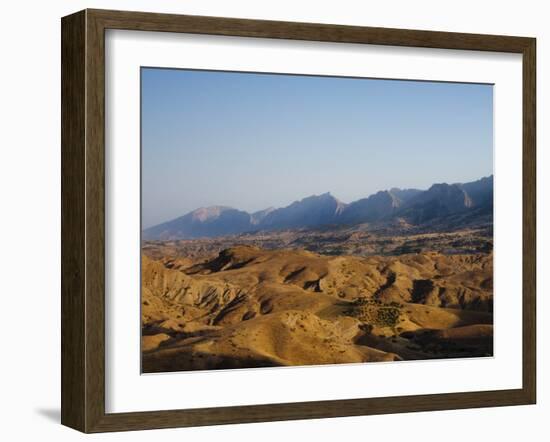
x,y
248,307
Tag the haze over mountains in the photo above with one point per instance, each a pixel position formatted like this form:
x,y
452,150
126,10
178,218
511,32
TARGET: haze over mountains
x,y
403,274
467,201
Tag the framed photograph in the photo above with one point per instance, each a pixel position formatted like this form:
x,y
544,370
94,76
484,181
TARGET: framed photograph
x,y
268,220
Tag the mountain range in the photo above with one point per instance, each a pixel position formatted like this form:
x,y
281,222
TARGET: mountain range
x,y
416,207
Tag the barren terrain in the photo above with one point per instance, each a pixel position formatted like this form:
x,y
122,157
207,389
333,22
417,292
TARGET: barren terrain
x,y
262,300
403,274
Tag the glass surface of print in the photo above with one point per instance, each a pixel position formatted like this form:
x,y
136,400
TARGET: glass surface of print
x,y
306,220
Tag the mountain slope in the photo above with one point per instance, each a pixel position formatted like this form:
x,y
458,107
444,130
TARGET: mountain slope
x,y
460,203
480,192
378,206
442,200
257,217
308,212
203,222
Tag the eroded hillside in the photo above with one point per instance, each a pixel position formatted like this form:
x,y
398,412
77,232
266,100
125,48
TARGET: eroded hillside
x,y
249,307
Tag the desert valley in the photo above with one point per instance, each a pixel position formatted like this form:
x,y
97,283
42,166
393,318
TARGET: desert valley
x,y
398,275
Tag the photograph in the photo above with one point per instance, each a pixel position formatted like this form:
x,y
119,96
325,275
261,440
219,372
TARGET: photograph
x,y
304,220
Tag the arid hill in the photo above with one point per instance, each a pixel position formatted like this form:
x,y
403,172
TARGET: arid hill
x,y
250,307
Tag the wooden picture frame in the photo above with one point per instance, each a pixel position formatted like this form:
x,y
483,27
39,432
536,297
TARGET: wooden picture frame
x,y
83,220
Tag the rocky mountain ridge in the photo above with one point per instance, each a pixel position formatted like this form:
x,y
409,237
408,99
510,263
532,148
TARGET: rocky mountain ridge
x,y
463,202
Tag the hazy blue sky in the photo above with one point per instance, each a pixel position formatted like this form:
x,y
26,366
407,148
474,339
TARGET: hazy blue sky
x,y
251,141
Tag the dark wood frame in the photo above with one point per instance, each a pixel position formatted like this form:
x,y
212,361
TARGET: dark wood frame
x,y
83,216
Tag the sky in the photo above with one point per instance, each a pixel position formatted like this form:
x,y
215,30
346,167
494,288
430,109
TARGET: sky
x,y
252,141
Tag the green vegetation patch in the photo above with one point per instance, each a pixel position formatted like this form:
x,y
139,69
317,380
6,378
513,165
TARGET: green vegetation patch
x,y
375,312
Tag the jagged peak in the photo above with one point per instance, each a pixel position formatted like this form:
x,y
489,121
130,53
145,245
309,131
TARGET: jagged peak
x,y
324,208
